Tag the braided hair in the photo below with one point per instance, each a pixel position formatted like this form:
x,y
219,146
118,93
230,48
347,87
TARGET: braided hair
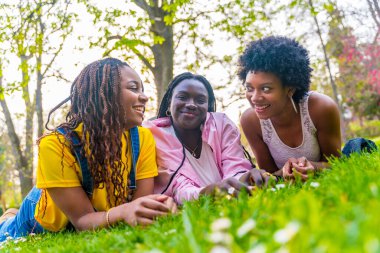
x,y
165,103
95,102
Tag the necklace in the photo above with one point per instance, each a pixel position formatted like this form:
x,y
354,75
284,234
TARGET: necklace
x,y
192,151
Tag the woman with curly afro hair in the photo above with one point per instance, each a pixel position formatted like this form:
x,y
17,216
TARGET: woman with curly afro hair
x,y
291,130
105,182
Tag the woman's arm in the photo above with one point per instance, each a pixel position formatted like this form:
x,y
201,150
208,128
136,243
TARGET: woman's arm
x,y
252,131
143,187
228,150
75,204
325,115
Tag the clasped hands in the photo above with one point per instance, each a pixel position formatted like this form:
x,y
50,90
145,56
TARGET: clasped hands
x,y
297,168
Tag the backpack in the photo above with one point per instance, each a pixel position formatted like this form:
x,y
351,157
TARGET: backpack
x,y
87,183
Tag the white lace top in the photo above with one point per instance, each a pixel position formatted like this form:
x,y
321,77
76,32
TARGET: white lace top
x,y
280,152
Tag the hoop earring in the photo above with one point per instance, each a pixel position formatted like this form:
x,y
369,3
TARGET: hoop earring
x,y
168,113
294,105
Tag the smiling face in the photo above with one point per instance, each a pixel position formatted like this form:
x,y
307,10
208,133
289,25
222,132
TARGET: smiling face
x,y
132,97
189,104
266,94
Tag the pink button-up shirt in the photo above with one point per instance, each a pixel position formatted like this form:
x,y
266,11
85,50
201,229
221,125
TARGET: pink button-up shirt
x,y
224,139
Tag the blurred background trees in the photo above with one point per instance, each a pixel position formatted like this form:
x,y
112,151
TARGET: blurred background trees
x,y
162,38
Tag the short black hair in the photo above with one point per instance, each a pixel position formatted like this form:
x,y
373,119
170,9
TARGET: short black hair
x,y
165,103
281,56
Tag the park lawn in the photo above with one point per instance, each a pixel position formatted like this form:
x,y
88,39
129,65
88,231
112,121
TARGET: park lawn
x,y
376,140
338,211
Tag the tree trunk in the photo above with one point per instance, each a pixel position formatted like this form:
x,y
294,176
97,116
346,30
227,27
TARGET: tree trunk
x,y
332,82
39,110
163,59
163,53
375,11
26,173
21,161
40,33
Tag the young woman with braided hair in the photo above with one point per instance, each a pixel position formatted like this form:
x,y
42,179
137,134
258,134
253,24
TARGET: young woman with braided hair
x,y
198,149
107,103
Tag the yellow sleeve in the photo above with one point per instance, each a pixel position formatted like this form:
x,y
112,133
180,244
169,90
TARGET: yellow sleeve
x,y
146,164
57,166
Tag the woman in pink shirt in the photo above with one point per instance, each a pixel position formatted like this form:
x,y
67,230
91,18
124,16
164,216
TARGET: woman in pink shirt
x,y
198,149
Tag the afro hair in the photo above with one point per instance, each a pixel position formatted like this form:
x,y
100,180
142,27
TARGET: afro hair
x,y
281,56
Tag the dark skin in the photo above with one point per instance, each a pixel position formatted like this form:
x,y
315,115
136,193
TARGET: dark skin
x,y
145,206
270,99
188,108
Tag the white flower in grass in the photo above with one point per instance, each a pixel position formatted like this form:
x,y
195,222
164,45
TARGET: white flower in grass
x,y
219,249
171,231
219,237
17,249
246,227
373,188
273,189
280,186
286,234
282,250
20,239
260,248
155,251
314,184
221,224
372,245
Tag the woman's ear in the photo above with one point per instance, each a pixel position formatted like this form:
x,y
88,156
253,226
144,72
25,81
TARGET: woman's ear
x,y
291,91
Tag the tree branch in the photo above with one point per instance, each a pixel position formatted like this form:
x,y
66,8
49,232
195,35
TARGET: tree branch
x,y
179,38
192,18
144,6
143,59
48,66
373,13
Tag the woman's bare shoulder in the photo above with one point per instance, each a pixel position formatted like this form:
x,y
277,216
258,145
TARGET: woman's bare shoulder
x,y
322,107
250,122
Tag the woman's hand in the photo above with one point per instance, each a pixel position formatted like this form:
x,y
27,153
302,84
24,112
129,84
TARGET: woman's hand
x,y
298,167
144,210
230,185
257,177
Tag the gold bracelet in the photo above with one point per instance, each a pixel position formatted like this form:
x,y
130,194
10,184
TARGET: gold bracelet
x,y
108,217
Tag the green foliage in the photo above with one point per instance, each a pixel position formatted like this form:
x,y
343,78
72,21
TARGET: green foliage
x,y
368,129
336,211
26,32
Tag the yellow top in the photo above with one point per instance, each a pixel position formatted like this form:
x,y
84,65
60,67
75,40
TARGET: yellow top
x,y
57,167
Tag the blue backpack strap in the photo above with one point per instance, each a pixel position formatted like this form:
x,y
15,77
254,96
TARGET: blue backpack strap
x,y
135,143
73,137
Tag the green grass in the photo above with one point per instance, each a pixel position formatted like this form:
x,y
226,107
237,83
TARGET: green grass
x,y
338,211
376,140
